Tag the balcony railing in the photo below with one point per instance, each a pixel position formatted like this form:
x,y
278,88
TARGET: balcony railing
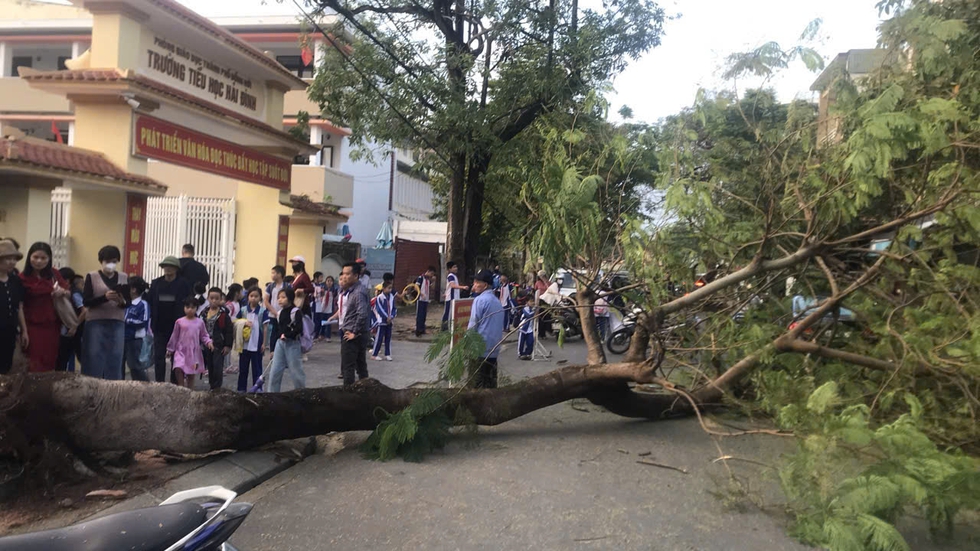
x,y
322,183
17,97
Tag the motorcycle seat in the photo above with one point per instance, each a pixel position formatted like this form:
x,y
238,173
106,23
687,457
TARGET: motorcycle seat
x,y
150,529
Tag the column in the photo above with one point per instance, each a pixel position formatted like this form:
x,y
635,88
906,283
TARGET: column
x,y
77,49
318,45
316,139
6,58
71,132
38,215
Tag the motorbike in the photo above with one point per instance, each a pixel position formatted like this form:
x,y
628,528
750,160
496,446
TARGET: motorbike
x,y
187,521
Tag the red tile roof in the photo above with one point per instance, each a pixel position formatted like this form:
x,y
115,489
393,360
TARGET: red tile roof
x,y
129,77
208,26
35,153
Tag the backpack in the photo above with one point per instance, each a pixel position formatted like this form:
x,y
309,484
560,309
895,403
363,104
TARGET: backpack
x,y
306,335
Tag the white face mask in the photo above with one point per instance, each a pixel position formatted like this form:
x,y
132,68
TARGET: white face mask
x,y
109,267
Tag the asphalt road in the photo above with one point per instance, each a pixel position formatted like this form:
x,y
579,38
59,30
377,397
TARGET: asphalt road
x,y
559,478
564,477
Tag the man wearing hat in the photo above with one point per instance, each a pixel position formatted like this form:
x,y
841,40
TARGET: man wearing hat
x,y
486,317
11,306
167,294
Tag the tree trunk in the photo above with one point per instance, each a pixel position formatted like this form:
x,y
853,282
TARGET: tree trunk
x,y
475,188
456,210
93,415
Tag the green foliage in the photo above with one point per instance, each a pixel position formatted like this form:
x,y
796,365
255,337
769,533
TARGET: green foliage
x,y
453,365
466,87
413,432
849,482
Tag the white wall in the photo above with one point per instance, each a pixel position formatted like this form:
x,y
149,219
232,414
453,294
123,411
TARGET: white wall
x,y
43,58
371,185
412,197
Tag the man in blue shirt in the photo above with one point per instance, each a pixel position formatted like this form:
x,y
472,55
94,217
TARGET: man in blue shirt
x,y
485,317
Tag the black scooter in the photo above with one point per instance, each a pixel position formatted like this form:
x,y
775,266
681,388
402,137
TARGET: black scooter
x,y
187,521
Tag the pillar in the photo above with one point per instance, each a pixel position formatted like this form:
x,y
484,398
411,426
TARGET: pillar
x,y
6,59
306,239
25,213
318,46
71,132
116,38
256,232
108,129
77,49
98,218
316,139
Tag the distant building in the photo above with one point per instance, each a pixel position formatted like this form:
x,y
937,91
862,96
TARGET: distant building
x,y
855,65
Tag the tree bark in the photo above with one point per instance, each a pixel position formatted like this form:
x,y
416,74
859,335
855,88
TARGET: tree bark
x,y
590,334
456,210
475,188
93,415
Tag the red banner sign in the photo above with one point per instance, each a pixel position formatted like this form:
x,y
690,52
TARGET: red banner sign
x,y
135,228
459,315
283,241
163,141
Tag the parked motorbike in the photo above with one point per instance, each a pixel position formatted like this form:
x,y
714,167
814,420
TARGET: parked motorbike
x,y
618,341
186,521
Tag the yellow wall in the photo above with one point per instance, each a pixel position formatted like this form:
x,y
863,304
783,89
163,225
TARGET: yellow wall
x,y
306,239
98,218
108,128
274,105
25,212
256,234
115,41
194,183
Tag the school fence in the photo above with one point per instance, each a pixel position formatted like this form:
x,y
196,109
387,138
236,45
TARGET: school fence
x,y
60,240
206,223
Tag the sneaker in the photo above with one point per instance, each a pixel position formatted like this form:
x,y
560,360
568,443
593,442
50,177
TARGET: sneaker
x,y
341,376
306,358
388,358
328,340
376,358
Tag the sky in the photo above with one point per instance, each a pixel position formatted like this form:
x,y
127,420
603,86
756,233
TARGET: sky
x,y
696,41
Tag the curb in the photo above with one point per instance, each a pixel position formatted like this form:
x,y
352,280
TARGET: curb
x,y
240,472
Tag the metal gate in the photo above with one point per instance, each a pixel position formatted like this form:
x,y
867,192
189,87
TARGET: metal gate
x,y
206,223
60,241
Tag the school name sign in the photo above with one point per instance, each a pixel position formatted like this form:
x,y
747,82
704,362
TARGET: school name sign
x,y
173,64
157,139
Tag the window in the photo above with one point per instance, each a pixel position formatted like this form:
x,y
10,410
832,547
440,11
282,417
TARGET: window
x,y
294,64
20,61
61,62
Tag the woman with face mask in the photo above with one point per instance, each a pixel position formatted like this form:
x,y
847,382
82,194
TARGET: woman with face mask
x,y
105,297
42,283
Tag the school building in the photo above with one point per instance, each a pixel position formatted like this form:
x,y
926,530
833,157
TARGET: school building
x,y
142,124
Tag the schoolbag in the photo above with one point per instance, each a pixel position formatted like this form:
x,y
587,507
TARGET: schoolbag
x,y
306,335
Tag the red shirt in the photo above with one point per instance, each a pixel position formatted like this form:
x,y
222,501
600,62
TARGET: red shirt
x,y
38,303
304,282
